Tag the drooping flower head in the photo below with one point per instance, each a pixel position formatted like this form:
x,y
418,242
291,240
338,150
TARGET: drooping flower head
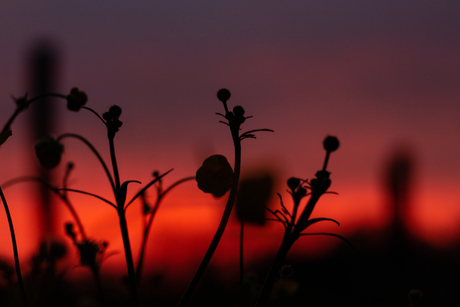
x,y
48,152
215,176
76,99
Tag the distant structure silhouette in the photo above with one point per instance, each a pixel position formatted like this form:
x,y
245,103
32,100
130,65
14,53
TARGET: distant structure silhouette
x,y
398,181
42,74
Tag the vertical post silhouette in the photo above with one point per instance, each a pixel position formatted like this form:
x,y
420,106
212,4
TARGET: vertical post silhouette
x,y
43,66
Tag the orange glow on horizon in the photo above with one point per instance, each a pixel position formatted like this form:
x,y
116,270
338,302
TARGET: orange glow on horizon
x,y
188,219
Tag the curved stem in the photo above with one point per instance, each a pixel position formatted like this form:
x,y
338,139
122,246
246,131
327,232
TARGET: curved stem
x,y
140,261
15,248
223,223
93,149
145,188
91,194
56,191
20,109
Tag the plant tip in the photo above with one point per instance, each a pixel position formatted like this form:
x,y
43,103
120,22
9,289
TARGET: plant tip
x,y
115,111
238,111
331,143
293,183
223,95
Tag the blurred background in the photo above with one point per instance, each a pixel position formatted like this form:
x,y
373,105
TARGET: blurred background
x,y
383,76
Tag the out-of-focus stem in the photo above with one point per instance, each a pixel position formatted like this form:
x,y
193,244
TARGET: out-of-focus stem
x,y
274,272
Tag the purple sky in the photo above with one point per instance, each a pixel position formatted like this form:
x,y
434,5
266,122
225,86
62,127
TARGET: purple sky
x,y
374,73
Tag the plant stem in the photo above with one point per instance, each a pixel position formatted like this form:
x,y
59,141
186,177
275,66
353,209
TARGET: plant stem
x,y
241,255
15,248
274,273
140,262
96,153
223,223
19,109
134,300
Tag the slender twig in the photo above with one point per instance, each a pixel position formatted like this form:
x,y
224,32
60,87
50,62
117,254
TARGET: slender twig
x,y
145,188
19,109
134,299
241,259
147,228
91,194
15,248
223,223
94,150
55,190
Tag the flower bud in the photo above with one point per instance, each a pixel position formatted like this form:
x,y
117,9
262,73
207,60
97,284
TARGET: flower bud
x,y
223,95
301,192
69,230
215,176
115,111
286,271
107,116
48,152
293,183
331,143
238,110
76,99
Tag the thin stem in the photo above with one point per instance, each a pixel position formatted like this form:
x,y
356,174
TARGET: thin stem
x,y
134,300
20,109
147,228
15,248
115,168
241,257
223,223
94,150
97,277
145,188
55,190
92,194
274,273
94,112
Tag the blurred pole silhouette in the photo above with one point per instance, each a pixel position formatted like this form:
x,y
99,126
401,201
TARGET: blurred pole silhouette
x,y
398,183
400,255
42,74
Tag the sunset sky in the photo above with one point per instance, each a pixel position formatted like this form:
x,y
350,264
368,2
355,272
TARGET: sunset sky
x,y
380,75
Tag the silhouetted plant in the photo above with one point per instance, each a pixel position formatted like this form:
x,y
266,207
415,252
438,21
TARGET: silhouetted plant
x,y
296,222
215,177
149,212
